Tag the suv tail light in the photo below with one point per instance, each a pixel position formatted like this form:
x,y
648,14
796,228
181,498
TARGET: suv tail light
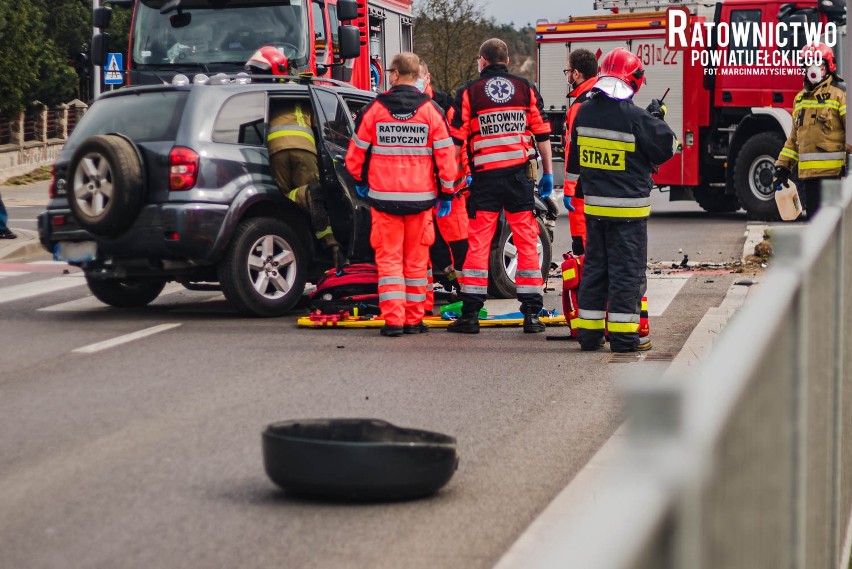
x,y
183,168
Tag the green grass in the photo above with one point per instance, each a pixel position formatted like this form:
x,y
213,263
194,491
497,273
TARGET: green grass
x,y
38,175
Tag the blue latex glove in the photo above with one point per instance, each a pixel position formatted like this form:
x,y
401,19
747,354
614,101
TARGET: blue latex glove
x,y
545,186
362,189
567,201
444,207
469,180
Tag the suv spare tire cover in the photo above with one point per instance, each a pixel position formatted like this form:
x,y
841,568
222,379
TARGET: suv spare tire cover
x,y
106,187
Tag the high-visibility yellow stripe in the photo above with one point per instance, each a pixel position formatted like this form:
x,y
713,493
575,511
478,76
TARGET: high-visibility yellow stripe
x,y
789,153
568,274
604,143
622,327
631,212
817,105
292,194
300,117
323,233
280,133
588,324
842,110
817,165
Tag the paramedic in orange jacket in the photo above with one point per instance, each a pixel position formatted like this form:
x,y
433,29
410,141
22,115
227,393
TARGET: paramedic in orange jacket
x,y
493,118
402,159
581,76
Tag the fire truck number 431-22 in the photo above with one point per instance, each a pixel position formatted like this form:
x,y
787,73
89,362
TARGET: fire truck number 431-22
x,y
651,54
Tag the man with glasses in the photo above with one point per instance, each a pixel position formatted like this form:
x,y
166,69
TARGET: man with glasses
x,y
402,159
493,119
581,76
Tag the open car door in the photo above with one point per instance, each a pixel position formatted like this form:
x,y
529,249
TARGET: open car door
x,y
349,214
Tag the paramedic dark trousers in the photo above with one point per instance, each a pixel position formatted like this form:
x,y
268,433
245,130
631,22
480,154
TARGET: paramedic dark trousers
x,y
510,190
613,283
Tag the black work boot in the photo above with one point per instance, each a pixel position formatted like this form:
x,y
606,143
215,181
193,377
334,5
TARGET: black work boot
x,y
421,328
391,331
465,325
532,324
319,215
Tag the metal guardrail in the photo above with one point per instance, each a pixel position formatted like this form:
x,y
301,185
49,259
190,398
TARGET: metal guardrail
x,y
747,463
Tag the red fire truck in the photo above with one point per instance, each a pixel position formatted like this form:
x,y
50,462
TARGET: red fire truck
x,y
212,36
731,122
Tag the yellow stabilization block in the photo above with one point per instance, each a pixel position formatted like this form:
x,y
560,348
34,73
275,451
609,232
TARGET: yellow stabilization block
x,y
431,321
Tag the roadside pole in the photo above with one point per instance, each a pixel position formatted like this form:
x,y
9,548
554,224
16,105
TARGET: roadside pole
x,y
96,69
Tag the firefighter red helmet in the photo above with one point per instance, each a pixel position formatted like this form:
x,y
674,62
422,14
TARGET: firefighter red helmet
x,y
812,49
623,65
268,60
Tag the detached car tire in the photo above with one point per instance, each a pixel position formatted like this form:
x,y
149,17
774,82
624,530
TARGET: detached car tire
x,y
753,173
503,262
105,184
125,293
263,271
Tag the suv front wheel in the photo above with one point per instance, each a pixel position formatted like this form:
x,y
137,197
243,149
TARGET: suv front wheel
x,y
263,272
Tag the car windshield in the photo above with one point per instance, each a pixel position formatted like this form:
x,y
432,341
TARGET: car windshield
x,y
230,34
162,111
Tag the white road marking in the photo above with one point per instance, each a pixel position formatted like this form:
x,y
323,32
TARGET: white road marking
x,y
661,291
27,290
90,303
12,273
47,263
106,344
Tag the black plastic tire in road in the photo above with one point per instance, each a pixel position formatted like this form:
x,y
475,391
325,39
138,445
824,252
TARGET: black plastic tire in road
x,y
753,172
105,184
263,272
503,263
125,293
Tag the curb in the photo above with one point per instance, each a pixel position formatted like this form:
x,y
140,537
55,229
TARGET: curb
x,y
26,245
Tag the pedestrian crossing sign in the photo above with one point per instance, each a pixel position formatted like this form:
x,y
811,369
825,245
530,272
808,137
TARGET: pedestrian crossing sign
x,y
114,71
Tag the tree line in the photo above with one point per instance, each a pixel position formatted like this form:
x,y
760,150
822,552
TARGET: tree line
x,y
41,42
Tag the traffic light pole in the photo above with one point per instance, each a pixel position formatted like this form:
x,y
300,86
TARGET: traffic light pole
x,y
96,69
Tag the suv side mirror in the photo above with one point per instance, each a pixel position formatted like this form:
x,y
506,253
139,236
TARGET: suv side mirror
x,y
100,43
101,17
347,10
349,42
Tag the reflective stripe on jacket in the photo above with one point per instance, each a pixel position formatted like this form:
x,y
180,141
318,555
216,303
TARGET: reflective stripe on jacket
x,y
817,141
615,146
493,118
579,96
290,127
402,149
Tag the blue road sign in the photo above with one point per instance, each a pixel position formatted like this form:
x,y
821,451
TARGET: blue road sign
x,y
114,70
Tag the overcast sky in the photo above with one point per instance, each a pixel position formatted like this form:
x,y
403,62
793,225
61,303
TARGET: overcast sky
x,y
528,11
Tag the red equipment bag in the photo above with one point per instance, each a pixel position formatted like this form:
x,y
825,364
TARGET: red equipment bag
x,y
572,272
355,287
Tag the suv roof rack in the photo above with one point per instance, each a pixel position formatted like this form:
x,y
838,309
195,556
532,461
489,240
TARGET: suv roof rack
x,y
242,75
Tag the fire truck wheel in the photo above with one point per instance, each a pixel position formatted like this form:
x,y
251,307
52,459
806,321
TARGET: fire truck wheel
x,y
503,264
105,177
715,200
753,173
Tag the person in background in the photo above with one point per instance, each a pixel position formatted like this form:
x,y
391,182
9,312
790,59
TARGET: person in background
x,y
5,232
817,141
581,76
404,163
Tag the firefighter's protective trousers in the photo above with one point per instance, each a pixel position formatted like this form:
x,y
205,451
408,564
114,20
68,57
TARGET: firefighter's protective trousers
x,y
613,283
402,245
511,191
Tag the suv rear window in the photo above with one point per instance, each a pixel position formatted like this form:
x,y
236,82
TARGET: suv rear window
x,y
142,117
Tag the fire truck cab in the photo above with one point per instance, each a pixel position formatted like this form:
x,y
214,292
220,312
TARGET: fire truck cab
x,y
731,121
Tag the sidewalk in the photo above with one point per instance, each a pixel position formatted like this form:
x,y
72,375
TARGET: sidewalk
x,y
27,244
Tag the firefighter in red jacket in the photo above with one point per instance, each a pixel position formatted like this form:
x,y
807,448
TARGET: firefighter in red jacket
x,y
493,118
581,76
615,146
402,158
